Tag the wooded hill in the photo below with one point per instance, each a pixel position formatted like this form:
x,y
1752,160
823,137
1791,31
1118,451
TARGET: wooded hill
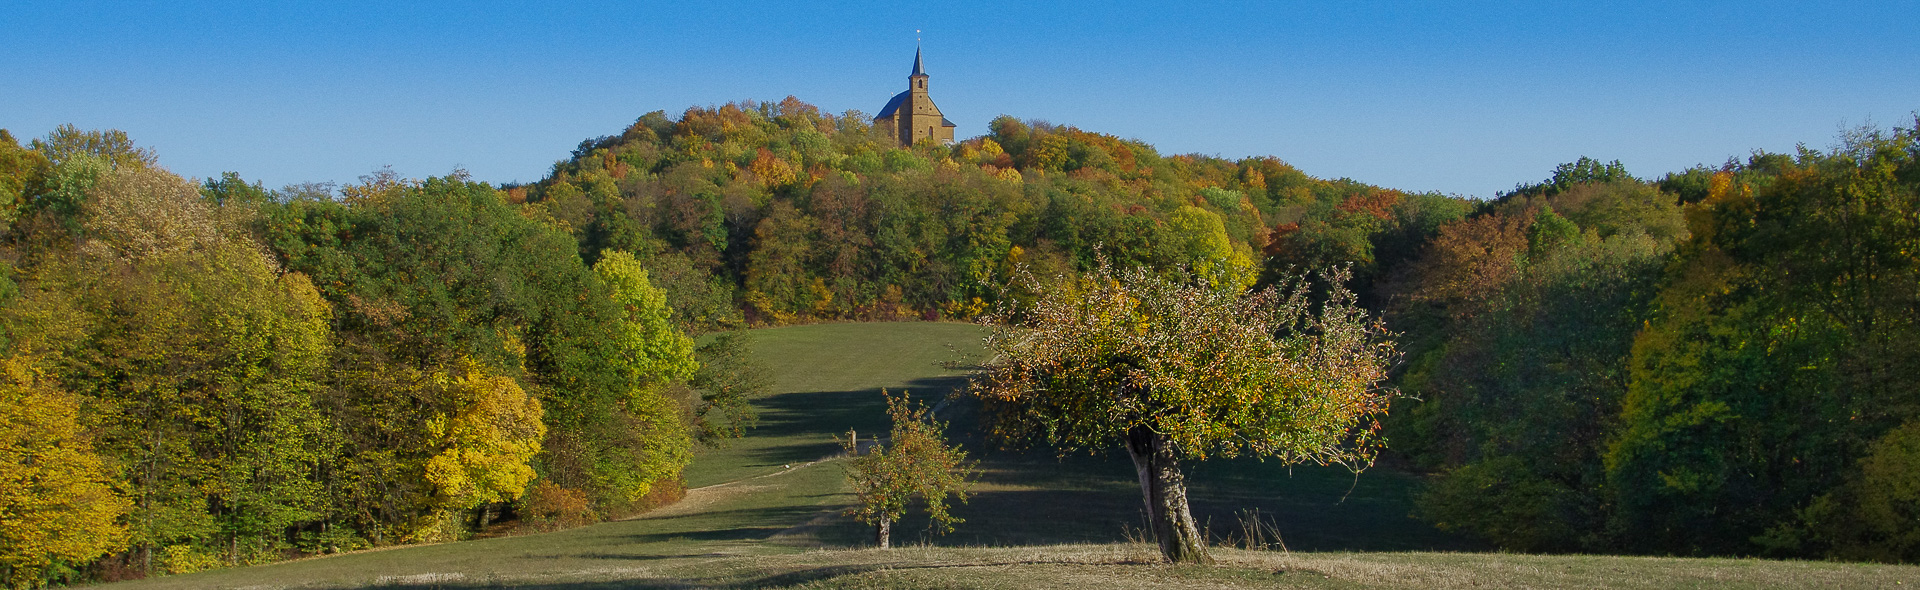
x,y
809,216
1720,361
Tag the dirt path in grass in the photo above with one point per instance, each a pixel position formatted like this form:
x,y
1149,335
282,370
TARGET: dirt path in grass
x,y
698,499
701,498
704,496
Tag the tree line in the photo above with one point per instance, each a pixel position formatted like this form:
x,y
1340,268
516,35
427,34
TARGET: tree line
x,y
1722,361
208,374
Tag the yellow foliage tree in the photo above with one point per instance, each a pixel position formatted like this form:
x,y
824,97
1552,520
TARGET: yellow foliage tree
x,y
487,443
57,502
1208,252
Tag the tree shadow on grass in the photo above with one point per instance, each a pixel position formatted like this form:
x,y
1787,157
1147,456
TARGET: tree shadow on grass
x,y
782,579
650,557
1037,497
721,525
822,415
776,580
1034,497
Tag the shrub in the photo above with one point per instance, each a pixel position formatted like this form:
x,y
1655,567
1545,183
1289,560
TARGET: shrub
x,y
550,507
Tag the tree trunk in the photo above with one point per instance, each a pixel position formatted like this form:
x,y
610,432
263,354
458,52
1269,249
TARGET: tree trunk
x,y
882,530
1165,490
487,513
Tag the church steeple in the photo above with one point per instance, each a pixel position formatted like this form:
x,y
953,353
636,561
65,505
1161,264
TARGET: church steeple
x,y
911,116
917,81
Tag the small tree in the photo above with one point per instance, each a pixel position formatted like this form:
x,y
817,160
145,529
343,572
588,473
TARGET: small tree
x,y
915,462
1177,370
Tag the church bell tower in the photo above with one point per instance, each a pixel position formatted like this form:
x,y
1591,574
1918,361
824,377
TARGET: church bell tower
x,y
911,116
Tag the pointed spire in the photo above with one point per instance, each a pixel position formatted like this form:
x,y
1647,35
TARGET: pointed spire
x,y
917,70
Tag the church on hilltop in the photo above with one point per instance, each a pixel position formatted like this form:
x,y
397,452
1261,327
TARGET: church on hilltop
x,y
911,116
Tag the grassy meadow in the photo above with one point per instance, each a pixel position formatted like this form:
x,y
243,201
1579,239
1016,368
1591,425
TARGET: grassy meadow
x,y
764,512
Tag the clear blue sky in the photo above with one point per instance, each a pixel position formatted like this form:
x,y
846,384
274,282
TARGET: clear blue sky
x,y
1466,98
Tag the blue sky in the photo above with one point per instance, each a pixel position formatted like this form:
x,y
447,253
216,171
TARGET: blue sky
x,y
1465,98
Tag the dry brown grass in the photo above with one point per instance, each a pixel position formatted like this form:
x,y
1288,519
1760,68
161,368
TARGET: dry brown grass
x,y
1115,566
1106,567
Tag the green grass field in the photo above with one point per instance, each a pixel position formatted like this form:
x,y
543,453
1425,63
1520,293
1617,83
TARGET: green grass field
x,y
764,512
827,379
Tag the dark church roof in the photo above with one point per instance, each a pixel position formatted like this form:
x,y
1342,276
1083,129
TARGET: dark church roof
x,y
893,105
900,99
917,70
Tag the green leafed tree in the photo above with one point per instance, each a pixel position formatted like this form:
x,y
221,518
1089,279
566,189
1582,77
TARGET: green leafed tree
x,y
1175,371
231,189
652,349
915,463
650,354
68,142
726,383
23,172
423,274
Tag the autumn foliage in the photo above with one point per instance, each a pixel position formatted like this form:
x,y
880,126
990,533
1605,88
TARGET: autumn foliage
x,y
206,374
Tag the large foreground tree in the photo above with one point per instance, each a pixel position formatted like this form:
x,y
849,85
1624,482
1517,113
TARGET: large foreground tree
x,y
1188,369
